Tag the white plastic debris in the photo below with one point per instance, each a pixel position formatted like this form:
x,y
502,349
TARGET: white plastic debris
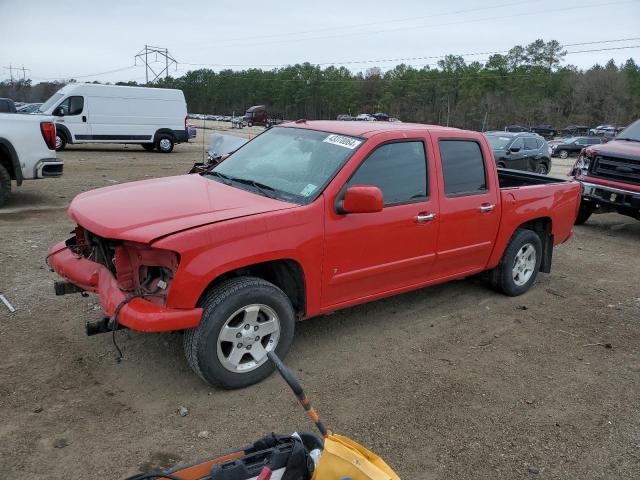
x,y
6,302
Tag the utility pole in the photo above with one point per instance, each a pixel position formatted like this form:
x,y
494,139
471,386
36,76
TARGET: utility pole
x,y
143,55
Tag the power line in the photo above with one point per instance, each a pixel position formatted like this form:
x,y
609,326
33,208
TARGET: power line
x,y
401,59
348,34
383,22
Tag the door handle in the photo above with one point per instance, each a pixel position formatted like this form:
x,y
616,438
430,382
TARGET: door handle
x,y
486,208
425,217
84,118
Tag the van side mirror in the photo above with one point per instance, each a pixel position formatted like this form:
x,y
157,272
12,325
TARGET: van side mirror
x,y
361,199
59,112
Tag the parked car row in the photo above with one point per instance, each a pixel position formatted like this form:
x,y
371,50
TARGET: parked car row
x,y
366,117
547,131
216,118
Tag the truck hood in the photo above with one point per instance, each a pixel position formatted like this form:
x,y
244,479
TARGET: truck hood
x,y
623,148
147,210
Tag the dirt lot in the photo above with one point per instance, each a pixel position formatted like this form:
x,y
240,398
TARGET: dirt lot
x,y
451,382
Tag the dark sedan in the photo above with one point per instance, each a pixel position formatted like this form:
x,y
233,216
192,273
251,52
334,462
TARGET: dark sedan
x,y
573,145
520,151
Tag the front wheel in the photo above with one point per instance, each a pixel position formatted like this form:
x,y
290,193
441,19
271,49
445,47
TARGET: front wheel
x,y
243,319
563,154
520,263
61,141
584,213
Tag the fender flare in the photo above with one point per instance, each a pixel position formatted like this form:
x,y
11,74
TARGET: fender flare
x,y
66,132
15,161
161,131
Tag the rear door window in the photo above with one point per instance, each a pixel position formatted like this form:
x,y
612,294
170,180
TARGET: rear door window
x,y
398,169
463,167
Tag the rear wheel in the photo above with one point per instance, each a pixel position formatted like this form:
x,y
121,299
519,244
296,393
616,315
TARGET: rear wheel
x,y
584,213
5,185
243,319
164,143
61,141
148,146
542,168
563,154
520,263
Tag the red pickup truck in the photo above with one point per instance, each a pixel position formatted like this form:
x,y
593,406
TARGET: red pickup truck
x,y
307,218
610,176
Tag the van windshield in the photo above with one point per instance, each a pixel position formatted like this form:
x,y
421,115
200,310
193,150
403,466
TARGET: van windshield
x,y
290,164
53,99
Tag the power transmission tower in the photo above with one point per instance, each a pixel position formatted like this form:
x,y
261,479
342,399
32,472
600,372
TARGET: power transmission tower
x,y
22,69
144,56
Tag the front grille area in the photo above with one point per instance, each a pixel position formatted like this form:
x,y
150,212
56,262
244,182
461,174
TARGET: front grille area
x,y
620,169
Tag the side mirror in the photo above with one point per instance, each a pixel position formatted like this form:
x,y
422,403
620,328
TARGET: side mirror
x,y
361,199
59,112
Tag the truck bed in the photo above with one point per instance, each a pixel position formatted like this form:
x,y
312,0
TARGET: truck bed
x,y
517,178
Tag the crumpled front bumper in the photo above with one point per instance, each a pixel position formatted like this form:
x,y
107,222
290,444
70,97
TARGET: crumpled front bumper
x,y
138,313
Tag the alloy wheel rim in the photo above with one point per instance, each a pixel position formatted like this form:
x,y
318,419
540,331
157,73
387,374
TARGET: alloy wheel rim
x,y
246,337
58,141
524,264
165,144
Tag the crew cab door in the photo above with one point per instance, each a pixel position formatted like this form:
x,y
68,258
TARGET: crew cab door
x,y
368,254
469,204
75,117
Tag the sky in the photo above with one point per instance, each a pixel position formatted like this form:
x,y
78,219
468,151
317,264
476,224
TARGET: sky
x,y
98,40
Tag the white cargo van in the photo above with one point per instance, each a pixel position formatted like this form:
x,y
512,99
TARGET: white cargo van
x,y
90,113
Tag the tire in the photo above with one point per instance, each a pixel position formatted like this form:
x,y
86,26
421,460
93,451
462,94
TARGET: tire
x,y
148,146
249,124
232,363
525,243
61,141
584,213
5,185
563,154
542,168
165,143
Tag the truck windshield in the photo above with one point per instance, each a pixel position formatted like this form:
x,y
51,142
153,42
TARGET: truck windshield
x,y
498,142
632,132
290,164
53,99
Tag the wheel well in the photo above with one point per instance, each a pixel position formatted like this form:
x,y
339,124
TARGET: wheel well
x,y
6,162
61,129
164,131
542,226
285,274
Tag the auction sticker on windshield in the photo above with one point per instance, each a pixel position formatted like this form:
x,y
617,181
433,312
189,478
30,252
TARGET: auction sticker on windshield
x,y
342,141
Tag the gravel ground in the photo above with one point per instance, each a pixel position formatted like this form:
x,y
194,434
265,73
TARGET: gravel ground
x,y
450,382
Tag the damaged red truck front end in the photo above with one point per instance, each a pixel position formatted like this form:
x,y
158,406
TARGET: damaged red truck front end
x,y
131,279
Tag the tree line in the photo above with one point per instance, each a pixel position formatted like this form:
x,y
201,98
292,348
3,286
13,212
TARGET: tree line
x,y
527,85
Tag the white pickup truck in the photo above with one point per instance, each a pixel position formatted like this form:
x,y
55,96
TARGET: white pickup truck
x,y
27,150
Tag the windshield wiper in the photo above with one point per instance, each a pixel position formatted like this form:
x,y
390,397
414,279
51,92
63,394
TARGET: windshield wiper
x,y
266,190
225,178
